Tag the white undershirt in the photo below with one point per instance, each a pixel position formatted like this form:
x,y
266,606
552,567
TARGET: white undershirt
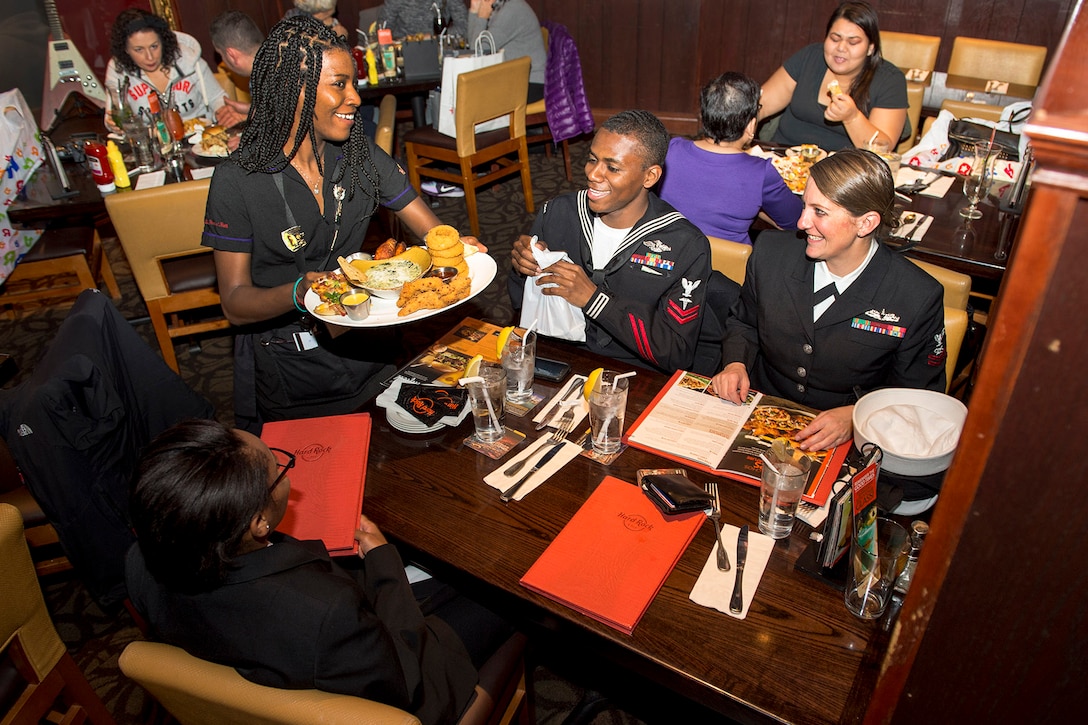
x,y
605,242
822,276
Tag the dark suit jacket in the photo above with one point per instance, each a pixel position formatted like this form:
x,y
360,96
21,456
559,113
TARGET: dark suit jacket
x,y
290,617
885,330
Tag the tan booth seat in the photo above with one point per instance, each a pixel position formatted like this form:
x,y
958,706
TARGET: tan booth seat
x,y
957,290
160,230
197,692
910,51
730,258
53,687
482,95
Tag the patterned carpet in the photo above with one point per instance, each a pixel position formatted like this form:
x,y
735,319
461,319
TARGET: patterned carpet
x,y
96,638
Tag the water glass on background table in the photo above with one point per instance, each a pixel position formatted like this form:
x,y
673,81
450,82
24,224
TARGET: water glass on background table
x,y
607,405
519,360
488,402
781,484
138,135
872,574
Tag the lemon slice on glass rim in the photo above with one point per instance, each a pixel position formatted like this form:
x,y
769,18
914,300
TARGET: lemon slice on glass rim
x,y
591,382
504,337
472,368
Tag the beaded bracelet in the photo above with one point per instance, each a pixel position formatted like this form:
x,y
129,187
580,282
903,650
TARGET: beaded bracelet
x,y
294,296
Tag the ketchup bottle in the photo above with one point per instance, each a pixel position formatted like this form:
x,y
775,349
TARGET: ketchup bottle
x,y
99,163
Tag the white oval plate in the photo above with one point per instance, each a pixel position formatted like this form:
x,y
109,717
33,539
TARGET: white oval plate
x,y
383,312
199,150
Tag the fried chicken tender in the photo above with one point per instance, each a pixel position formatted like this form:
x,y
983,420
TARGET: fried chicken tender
x,y
430,300
442,237
457,289
417,287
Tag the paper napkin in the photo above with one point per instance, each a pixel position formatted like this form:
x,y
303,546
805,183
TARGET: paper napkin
x,y
911,230
497,480
150,179
714,588
578,400
202,172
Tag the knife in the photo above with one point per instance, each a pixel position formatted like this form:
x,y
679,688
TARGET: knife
x,y
509,493
736,603
550,411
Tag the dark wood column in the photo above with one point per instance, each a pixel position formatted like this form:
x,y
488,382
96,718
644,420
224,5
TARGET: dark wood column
x,y
995,625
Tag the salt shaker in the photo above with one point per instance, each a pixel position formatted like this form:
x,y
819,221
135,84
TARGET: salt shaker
x,y
918,531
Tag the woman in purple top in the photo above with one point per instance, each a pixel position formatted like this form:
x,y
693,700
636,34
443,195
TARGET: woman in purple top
x,y
712,181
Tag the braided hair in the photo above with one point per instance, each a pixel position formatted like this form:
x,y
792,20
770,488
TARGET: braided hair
x,y
289,62
133,20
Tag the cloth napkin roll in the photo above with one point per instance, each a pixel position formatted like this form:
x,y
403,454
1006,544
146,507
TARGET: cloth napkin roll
x,y
714,588
497,480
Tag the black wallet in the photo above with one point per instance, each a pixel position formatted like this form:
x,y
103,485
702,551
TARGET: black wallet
x,y
673,493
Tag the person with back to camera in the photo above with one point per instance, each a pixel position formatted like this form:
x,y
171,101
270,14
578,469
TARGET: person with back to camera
x,y
639,272
841,93
414,17
236,38
209,573
826,317
147,54
297,194
712,181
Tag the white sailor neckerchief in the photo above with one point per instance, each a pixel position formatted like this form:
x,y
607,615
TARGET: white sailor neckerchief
x,y
621,256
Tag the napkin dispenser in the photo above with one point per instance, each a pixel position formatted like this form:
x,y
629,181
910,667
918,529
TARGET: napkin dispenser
x,y
675,493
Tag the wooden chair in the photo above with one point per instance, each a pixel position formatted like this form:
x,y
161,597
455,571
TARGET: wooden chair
x,y
61,264
482,95
41,537
536,115
160,231
53,687
730,258
196,692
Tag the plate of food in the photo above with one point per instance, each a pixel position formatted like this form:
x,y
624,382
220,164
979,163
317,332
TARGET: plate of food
x,y
793,171
809,153
211,143
385,312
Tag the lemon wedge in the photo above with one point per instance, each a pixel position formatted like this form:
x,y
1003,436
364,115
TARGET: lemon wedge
x,y
472,369
504,337
591,382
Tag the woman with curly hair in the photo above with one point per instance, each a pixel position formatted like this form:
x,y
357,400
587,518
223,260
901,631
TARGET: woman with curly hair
x,y
148,55
298,193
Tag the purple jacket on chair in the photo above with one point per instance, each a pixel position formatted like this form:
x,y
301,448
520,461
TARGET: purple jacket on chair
x,y
564,91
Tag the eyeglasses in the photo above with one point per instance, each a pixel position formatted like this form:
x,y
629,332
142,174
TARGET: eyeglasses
x,y
285,461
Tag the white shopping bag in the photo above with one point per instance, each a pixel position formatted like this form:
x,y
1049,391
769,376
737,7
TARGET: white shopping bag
x,y
555,316
21,146
485,55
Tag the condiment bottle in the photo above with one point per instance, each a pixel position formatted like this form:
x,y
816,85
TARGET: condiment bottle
x,y
918,531
371,67
99,163
117,166
157,121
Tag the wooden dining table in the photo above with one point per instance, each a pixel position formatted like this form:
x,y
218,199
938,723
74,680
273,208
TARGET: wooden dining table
x,y
979,248
798,656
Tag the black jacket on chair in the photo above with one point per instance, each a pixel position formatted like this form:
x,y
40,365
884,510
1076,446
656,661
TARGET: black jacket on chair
x,y
77,427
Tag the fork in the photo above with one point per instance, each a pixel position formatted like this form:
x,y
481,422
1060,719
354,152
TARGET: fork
x,y
711,487
556,441
562,429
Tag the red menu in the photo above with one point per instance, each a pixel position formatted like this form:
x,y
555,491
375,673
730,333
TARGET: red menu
x,y
614,554
328,478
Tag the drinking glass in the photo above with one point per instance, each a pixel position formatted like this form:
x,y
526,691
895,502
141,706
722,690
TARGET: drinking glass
x,y
119,108
781,484
872,572
487,400
519,359
607,405
976,184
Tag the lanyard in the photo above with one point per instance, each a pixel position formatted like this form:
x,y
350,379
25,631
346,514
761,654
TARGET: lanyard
x,y
295,232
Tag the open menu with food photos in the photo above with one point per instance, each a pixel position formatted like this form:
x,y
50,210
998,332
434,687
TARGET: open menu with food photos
x,y
328,477
688,422
443,361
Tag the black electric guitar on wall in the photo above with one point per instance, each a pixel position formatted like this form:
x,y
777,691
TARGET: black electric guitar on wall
x,y
66,72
